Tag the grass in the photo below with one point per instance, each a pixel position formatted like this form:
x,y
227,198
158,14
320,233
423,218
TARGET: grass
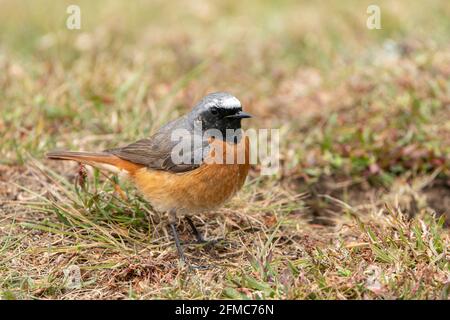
x,y
358,210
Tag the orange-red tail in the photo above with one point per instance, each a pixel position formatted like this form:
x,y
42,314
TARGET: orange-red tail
x,y
96,159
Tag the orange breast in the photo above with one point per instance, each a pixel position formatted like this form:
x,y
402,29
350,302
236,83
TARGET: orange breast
x,y
201,189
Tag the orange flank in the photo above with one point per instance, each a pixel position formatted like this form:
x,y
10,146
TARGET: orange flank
x,y
198,190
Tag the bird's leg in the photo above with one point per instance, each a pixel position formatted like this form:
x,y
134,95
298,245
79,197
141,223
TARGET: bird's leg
x,y
177,242
172,221
196,233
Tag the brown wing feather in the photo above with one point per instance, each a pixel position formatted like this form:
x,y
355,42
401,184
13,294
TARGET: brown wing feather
x,y
156,152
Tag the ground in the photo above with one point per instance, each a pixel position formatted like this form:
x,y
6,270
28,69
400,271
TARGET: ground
x,y
358,210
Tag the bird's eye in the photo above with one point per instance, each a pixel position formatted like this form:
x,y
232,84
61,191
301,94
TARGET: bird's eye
x,y
214,110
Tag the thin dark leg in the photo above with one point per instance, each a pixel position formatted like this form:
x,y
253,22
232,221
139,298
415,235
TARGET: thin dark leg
x,y
180,250
196,233
177,242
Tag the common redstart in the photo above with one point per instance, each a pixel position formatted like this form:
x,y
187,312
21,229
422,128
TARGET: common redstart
x,y
206,177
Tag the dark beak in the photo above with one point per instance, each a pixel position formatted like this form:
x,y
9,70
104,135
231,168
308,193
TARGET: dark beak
x,y
239,115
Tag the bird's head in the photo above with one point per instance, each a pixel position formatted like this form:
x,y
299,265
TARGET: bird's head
x,y
219,111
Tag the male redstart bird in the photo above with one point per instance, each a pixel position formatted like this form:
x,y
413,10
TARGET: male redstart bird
x,y
206,177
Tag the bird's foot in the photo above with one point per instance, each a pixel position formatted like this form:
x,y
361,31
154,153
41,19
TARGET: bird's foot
x,y
183,260
200,240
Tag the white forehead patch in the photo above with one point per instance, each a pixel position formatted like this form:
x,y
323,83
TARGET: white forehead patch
x,y
231,102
